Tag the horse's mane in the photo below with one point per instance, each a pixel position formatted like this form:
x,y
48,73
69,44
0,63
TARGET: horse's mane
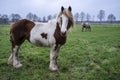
x,y
69,15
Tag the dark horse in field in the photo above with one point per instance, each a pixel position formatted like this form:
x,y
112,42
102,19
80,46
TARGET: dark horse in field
x,y
52,34
86,26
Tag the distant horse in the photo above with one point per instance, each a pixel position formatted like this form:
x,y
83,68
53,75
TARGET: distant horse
x,y
52,34
86,26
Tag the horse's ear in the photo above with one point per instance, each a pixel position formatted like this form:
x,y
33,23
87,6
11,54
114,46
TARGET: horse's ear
x,y
69,8
62,8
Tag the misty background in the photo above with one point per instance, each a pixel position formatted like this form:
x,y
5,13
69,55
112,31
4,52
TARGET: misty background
x,y
44,10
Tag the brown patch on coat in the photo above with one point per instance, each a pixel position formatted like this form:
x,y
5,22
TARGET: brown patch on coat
x,y
44,35
59,39
20,31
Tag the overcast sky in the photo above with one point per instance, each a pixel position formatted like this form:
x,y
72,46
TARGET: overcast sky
x,y
46,7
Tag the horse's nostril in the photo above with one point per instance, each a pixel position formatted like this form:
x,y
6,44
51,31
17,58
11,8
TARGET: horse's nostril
x,y
63,33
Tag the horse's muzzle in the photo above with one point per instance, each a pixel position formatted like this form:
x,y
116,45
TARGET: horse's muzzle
x,y
63,33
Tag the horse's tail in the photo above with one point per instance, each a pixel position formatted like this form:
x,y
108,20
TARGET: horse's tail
x,y
11,35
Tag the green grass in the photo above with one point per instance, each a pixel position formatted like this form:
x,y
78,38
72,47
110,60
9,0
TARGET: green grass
x,y
86,56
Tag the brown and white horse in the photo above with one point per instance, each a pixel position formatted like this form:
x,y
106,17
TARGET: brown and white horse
x,y
86,26
52,34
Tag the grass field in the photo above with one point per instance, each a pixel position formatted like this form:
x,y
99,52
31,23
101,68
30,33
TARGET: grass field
x,y
86,56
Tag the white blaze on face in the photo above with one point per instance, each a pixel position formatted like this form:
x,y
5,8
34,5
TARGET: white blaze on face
x,y
64,23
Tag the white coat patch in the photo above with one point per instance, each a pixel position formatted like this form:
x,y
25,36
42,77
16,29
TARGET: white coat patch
x,y
42,34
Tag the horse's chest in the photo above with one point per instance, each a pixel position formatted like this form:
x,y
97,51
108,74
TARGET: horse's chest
x,y
41,37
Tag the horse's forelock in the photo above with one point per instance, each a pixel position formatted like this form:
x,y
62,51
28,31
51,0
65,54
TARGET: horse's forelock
x,y
69,15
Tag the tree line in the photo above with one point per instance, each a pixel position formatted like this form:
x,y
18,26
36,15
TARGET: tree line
x,y
4,19
87,17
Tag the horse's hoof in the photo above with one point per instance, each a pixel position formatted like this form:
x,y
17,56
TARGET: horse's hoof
x,y
53,69
18,65
10,62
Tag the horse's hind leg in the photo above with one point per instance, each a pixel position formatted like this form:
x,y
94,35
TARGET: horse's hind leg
x,y
13,59
10,60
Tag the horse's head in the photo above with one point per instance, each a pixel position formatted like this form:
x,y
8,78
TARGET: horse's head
x,y
65,20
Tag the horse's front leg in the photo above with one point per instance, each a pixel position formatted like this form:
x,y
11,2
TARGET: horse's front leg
x,y
53,57
82,29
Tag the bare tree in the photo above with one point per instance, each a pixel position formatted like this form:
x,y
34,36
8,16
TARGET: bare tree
x,y
39,19
30,16
82,16
54,16
44,19
0,15
93,18
76,16
111,18
4,19
35,17
49,17
101,15
88,17
15,17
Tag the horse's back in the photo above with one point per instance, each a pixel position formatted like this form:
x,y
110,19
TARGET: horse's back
x,y
22,24
86,24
